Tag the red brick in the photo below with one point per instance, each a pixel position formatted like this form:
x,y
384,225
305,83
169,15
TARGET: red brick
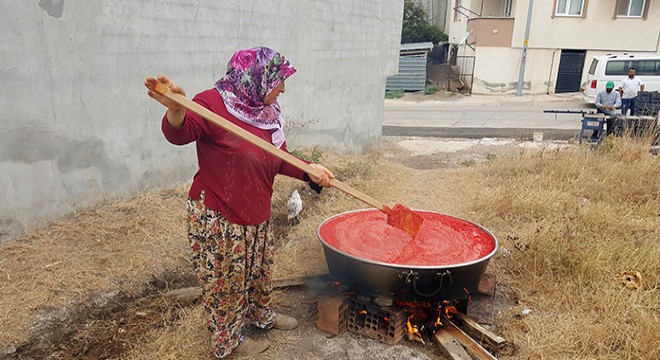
x,y
487,285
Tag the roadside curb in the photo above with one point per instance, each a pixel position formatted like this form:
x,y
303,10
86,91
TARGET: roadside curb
x,y
477,133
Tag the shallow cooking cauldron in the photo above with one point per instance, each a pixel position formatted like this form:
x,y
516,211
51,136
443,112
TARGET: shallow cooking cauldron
x,y
357,242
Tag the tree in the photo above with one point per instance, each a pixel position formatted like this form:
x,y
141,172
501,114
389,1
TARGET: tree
x,y
416,26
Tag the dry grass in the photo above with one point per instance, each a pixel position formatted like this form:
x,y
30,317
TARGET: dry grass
x,y
120,246
571,221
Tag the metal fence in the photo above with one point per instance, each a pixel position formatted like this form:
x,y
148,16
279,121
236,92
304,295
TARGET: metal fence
x,y
461,76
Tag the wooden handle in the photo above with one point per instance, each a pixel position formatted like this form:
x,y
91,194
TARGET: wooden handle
x,y
261,143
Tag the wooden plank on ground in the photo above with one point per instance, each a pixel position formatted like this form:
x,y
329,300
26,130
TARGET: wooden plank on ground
x,y
299,281
449,346
188,295
472,346
480,333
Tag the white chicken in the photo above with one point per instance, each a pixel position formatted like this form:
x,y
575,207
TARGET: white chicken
x,y
294,206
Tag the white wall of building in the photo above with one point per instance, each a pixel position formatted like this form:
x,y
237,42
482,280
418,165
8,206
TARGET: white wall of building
x,y
497,68
456,23
596,31
77,124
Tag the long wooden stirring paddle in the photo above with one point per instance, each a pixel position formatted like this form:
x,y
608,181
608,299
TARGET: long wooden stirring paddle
x,y
399,216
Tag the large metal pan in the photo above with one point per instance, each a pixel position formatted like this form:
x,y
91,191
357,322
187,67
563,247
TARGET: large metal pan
x,y
405,282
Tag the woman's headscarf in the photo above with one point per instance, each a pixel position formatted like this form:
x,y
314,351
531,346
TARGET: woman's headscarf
x,y
251,74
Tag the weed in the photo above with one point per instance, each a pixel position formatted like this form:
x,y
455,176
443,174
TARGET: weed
x,y
315,156
393,94
358,169
430,89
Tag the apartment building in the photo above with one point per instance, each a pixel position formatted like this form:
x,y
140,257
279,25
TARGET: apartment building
x,y
564,35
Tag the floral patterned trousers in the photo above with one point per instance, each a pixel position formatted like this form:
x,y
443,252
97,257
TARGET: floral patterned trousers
x,y
233,264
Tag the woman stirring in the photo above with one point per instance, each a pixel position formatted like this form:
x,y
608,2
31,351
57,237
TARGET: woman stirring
x,y
229,203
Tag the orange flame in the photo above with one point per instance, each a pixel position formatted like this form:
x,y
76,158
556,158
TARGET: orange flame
x,y
363,312
413,330
437,322
450,311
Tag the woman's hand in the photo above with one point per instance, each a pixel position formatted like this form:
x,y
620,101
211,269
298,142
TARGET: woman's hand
x,y
175,113
326,175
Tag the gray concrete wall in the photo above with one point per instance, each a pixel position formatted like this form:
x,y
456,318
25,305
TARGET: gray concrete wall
x,y
78,128
436,10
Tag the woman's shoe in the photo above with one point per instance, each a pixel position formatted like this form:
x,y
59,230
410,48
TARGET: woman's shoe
x,y
251,347
283,322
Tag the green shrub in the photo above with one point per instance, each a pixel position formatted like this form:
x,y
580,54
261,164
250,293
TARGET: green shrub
x,y
416,27
430,89
393,94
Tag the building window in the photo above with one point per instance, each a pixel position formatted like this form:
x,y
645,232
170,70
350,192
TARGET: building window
x,y
569,7
631,8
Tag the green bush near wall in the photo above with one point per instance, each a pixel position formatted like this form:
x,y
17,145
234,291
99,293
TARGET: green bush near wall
x,y
416,26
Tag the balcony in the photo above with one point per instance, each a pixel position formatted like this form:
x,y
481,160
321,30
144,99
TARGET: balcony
x,y
490,31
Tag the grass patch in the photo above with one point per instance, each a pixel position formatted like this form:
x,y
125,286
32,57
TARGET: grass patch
x,y
393,94
430,89
575,220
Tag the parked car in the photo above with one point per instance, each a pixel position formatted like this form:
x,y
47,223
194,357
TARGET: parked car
x,y
615,67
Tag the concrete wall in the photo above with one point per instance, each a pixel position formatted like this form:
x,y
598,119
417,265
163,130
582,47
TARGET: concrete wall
x,y
436,11
78,128
490,31
540,70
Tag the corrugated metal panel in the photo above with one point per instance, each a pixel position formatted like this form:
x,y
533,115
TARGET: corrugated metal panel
x,y
411,76
417,46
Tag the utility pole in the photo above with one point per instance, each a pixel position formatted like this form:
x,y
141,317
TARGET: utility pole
x,y
521,76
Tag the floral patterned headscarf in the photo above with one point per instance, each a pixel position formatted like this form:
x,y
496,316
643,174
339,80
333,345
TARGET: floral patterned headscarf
x,y
251,74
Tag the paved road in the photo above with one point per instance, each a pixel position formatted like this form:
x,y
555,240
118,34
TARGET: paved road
x,y
480,116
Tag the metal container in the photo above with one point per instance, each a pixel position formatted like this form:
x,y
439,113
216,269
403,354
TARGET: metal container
x,y
406,282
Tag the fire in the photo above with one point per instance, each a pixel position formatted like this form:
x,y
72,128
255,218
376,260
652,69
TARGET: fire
x,y
450,311
363,312
437,324
425,317
413,330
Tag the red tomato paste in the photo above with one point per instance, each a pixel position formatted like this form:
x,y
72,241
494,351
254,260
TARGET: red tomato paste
x,y
441,240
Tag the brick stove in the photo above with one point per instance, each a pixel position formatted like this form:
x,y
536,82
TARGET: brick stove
x,y
385,324
388,321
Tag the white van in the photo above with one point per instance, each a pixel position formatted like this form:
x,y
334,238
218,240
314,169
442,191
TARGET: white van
x,y
615,67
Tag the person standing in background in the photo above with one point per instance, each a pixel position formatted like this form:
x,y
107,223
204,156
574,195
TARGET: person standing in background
x,y
630,87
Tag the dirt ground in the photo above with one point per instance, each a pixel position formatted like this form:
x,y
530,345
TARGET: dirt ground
x,y
119,320
109,325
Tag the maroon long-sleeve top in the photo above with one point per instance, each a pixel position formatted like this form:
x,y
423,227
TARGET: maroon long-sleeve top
x,y
236,176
